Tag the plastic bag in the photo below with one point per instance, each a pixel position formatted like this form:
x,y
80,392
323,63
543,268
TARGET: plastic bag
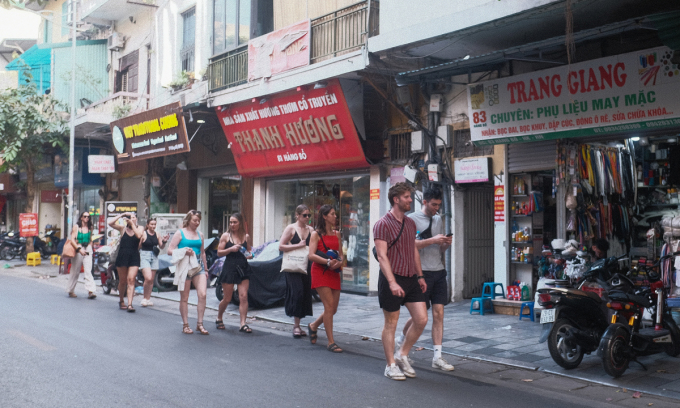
x,y
571,222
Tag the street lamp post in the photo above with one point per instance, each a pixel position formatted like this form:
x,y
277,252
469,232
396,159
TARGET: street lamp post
x,y
72,125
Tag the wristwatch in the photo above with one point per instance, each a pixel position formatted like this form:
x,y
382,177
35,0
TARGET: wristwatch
x,y
328,262
421,277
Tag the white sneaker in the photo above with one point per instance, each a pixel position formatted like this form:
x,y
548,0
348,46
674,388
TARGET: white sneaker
x,y
149,302
441,364
405,365
394,373
144,303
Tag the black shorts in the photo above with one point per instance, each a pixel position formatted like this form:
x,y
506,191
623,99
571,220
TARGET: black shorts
x,y
437,288
391,303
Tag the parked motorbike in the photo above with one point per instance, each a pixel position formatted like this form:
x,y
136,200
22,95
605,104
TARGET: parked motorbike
x,y
574,320
47,247
626,339
12,246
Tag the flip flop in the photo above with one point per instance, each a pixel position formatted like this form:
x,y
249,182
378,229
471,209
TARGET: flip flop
x,y
312,335
245,329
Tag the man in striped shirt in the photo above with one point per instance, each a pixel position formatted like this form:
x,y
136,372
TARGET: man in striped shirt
x,y
401,280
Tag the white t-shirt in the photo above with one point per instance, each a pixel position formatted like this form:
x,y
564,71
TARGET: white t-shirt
x,y
431,255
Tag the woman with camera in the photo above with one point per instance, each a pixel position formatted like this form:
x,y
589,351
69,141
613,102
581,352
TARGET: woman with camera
x,y
81,239
149,248
326,255
128,260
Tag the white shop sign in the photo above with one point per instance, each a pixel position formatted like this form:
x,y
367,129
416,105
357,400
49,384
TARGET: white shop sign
x,y
625,93
101,164
475,170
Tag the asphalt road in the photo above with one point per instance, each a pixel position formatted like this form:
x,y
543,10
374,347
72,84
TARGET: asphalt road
x,y
62,352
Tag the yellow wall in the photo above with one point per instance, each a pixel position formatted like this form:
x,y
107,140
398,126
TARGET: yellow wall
x,y
287,12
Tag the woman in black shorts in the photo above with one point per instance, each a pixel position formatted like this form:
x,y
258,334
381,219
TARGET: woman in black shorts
x,y
128,260
236,271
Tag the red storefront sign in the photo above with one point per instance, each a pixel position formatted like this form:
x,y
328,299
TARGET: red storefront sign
x,y
28,224
293,133
279,51
50,196
499,204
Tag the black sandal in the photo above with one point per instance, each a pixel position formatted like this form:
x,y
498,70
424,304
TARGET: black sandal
x,y
130,309
245,329
220,325
312,335
334,348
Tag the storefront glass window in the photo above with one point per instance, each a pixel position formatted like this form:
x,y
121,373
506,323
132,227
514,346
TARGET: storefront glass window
x,y
89,201
224,201
350,198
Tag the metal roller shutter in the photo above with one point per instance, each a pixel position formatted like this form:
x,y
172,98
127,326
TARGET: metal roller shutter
x,y
533,156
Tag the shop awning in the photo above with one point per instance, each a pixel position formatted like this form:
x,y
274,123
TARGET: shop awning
x,y
36,61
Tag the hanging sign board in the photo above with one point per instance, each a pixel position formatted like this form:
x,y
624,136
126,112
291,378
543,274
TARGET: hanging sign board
x,y
499,204
294,132
154,133
101,164
28,224
630,92
50,196
475,170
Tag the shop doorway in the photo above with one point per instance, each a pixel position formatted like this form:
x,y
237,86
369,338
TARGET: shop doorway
x,y
225,200
478,238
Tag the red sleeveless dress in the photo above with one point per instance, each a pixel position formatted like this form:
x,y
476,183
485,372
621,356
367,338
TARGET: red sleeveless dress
x,y
330,278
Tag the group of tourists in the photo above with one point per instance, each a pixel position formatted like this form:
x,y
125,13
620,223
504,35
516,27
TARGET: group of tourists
x,y
409,250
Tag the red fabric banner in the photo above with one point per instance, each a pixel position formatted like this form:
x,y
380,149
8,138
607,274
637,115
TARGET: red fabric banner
x,y
295,132
28,224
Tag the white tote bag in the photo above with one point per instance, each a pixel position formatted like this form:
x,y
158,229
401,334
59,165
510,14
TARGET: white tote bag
x,y
295,260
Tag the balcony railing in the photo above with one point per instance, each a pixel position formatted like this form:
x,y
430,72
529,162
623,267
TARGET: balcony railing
x,y
118,105
344,30
333,34
227,70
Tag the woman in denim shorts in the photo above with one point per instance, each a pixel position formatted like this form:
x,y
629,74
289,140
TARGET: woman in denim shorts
x,y
149,260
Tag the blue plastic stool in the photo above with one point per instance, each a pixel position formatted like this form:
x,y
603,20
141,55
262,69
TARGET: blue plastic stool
x,y
481,301
530,306
492,290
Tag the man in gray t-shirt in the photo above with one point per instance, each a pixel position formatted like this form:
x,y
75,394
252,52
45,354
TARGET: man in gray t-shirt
x,y
431,244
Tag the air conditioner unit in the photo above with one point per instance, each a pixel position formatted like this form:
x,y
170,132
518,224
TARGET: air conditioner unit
x,y
444,132
116,42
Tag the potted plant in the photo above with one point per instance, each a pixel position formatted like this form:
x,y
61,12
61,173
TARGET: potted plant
x,y
184,80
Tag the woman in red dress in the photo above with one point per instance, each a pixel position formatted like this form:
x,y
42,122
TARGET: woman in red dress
x,y
326,273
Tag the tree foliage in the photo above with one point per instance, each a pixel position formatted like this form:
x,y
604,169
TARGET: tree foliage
x,y
31,126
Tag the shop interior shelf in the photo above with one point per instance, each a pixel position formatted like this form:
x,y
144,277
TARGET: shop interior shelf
x,y
520,215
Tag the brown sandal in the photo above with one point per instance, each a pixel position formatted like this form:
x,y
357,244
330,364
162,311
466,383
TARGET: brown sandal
x,y
186,329
201,329
122,306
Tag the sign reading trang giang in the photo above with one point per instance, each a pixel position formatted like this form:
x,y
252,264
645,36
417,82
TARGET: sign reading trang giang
x,y
625,93
154,133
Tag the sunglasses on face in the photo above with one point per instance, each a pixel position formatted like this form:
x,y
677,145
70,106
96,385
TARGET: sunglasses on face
x,y
305,215
195,212
85,216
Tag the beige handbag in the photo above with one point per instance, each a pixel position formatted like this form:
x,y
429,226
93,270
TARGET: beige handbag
x,y
295,260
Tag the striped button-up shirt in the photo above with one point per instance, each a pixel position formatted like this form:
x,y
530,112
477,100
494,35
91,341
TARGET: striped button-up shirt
x,y
402,254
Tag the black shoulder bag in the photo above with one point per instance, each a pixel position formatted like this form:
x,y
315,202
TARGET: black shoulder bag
x,y
375,251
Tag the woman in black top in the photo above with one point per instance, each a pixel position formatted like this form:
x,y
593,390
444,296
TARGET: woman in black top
x,y
149,260
234,246
127,261
298,285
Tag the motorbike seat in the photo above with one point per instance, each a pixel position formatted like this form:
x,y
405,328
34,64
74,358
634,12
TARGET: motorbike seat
x,y
629,297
